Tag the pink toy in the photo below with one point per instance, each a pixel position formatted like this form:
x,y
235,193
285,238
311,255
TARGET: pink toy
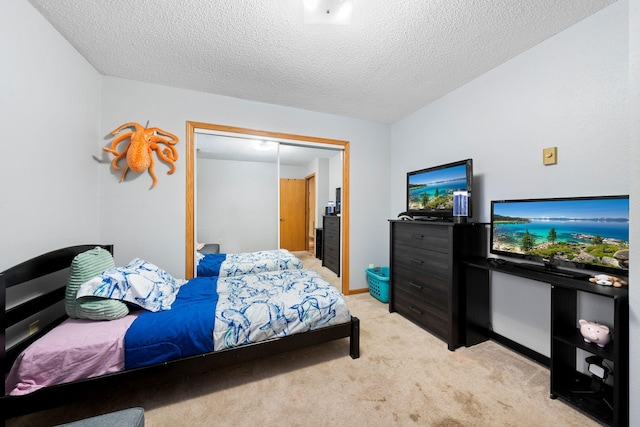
x,y
594,332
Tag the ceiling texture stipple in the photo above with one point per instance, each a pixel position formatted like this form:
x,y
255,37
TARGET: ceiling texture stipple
x,y
393,59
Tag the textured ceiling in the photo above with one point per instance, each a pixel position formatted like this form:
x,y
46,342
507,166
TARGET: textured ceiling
x,y
394,58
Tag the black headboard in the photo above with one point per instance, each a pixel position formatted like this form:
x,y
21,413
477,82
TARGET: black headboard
x,y
25,272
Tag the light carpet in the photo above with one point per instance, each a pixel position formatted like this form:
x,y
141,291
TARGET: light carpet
x,y
404,377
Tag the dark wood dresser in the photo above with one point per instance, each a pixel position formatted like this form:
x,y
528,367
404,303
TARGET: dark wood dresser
x,y
318,243
426,274
331,243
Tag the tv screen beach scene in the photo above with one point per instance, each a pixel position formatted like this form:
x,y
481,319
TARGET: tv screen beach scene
x,y
433,190
591,231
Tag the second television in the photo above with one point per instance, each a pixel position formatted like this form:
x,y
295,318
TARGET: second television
x,y
589,233
430,191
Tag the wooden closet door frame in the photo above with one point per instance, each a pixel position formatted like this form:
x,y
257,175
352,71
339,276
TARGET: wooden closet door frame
x,y
190,190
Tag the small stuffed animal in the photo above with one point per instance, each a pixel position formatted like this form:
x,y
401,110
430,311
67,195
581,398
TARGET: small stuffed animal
x,y
603,279
594,332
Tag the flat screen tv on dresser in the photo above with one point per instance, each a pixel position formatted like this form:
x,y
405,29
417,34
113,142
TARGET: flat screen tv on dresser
x,y
430,191
579,233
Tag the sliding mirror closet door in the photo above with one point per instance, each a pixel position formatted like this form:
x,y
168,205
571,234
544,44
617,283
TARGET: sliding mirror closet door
x,y
237,189
236,193
309,176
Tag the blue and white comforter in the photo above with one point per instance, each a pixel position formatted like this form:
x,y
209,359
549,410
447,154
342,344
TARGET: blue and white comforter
x,y
259,307
215,313
227,265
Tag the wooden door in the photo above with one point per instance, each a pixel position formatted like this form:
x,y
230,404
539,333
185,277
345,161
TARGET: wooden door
x,y
292,214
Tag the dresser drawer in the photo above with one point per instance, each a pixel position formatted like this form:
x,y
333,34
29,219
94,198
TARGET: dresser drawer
x,y
421,262
331,250
435,238
331,234
331,256
331,222
332,240
422,288
432,318
332,265
332,262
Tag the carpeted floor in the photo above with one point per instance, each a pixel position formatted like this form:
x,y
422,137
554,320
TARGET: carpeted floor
x,y
404,377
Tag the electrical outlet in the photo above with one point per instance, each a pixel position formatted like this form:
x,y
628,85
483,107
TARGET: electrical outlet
x,y
33,327
371,265
220,242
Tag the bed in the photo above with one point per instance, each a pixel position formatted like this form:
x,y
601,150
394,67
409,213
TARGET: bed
x,y
237,298
225,265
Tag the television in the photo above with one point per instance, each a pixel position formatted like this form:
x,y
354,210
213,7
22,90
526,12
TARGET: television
x,y
430,191
578,233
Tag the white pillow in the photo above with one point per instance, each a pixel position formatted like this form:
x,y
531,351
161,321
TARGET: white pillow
x,y
139,282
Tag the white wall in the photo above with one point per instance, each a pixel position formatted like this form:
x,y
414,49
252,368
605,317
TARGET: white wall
x,y
237,204
570,92
50,115
335,174
151,223
294,172
322,189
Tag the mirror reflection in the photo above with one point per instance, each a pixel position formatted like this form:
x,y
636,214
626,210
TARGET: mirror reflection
x,y
236,193
256,194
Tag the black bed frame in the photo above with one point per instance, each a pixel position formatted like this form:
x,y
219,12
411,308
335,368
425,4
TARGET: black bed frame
x,y
52,396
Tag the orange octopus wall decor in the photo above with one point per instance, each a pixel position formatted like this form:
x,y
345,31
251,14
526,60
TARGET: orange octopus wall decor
x,y
139,151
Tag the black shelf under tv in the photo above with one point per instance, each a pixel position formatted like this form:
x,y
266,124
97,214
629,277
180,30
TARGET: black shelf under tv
x,y
579,395
577,341
567,381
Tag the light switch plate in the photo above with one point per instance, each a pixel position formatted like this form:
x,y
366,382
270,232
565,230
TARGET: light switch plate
x,y
550,156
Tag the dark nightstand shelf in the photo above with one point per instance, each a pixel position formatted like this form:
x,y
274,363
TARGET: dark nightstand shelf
x,y
586,402
567,381
611,406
